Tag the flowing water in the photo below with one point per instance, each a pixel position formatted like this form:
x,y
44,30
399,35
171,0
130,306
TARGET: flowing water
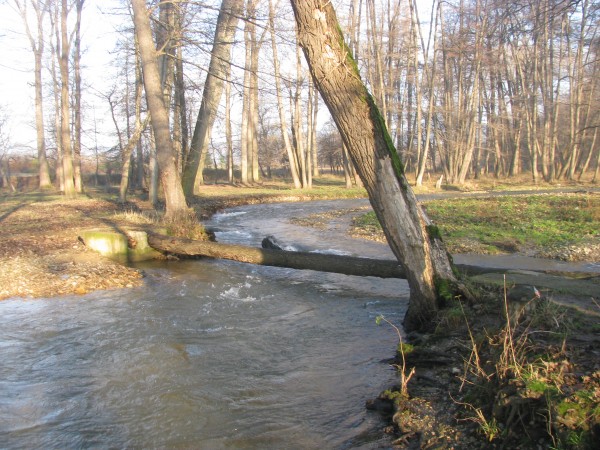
x,y
207,354
250,224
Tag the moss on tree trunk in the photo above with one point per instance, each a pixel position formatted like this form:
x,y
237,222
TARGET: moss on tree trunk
x,y
376,160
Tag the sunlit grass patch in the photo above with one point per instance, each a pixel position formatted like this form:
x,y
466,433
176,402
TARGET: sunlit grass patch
x,y
504,224
537,220
323,187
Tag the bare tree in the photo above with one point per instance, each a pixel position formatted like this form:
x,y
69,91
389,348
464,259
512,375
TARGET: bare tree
x,y
413,239
250,110
213,89
65,129
280,108
171,183
77,99
36,41
228,131
297,128
54,70
134,139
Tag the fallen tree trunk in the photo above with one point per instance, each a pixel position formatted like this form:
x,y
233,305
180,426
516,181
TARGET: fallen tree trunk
x,y
348,265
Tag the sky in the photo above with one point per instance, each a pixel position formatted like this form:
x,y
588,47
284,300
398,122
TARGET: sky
x,y
99,35
16,69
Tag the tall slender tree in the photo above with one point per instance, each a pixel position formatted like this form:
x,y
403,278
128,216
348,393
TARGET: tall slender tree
x,y
218,69
36,41
77,91
280,108
54,70
228,130
65,109
174,197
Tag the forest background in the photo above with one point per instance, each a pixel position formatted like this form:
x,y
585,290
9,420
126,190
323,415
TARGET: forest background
x,y
466,87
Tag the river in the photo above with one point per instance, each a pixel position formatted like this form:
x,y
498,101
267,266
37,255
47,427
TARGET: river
x,y
213,354
206,354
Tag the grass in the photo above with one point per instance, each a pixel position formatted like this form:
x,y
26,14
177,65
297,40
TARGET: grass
x,y
538,219
326,187
520,378
506,224
137,217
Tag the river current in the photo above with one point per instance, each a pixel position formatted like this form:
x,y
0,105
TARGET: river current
x,y
206,354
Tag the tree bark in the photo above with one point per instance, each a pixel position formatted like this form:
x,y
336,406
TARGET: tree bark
x,y
65,129
180,112
153,173
166,43
228,131
244,141
256,42
347,167
55,50
174,197
413,239
313,132
297,129
213,90
77,100
37,47
134,139
348,265
282,119
127,152
431,92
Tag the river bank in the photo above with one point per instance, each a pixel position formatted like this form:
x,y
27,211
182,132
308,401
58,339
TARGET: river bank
x,y
42,253
486,379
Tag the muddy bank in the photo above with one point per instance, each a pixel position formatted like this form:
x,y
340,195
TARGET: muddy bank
x,y
488,379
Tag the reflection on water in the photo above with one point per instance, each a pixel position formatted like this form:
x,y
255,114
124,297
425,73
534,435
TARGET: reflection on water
x,y
207,354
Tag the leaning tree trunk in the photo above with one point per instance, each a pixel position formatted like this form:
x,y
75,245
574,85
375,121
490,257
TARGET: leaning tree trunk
x,y
219,67
413,239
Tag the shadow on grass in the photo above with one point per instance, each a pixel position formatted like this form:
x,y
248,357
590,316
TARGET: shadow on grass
x,y
23,200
